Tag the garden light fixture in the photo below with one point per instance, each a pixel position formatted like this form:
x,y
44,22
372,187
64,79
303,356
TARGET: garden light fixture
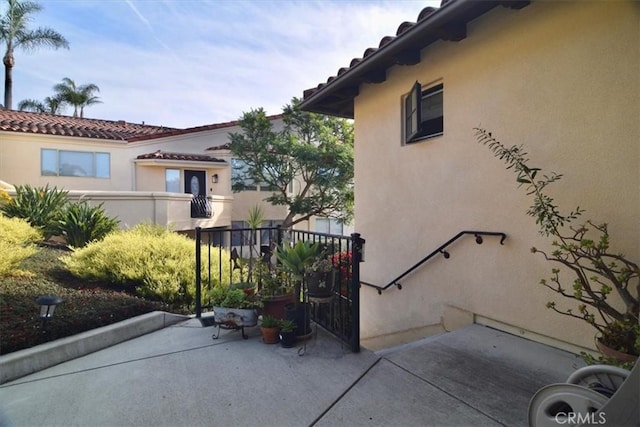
x,y
47,304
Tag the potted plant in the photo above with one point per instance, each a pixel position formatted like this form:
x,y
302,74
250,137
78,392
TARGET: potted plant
x,y
276,289
234,307
320,278
270,329
246,287
595,271
287,333
296,259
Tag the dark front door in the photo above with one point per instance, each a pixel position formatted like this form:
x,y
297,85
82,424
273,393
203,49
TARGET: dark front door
x,y
194,183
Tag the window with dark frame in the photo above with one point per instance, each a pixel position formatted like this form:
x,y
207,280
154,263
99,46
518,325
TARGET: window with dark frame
x,y
423,113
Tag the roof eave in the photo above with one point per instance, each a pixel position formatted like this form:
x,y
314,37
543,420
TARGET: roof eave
x,y
337,95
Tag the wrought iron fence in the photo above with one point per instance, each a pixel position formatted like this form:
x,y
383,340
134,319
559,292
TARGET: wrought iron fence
x,y
232,255
201,207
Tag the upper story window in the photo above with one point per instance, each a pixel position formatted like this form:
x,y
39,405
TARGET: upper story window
x,y
329,226
172,180
75,163
423,113
239,173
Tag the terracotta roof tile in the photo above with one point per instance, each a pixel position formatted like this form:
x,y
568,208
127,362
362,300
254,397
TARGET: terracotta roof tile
x,y
405,26
336,95
226,146
402,28
174,132
163,155
49,124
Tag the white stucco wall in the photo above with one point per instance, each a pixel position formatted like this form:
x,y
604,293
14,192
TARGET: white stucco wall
x,y
562,78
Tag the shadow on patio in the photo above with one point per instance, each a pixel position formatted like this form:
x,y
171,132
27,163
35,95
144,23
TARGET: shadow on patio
x,y
180,376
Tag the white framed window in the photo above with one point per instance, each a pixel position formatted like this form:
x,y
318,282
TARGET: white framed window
x,y
423,113
75,163
172,180
329,226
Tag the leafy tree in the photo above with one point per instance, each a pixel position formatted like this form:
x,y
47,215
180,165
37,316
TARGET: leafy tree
x,y
52,105
314,152
77,96
14,33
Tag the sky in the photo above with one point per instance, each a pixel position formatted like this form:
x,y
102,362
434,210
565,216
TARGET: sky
x,y
186,63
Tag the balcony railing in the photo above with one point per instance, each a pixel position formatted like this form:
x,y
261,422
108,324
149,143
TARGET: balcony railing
x,y
200,207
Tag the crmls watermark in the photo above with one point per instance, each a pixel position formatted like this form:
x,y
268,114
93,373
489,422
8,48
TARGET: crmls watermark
x,y
573,418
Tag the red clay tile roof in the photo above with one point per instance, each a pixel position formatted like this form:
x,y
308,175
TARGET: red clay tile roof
x,y
174,132
49,124
449,22
219,147
163,155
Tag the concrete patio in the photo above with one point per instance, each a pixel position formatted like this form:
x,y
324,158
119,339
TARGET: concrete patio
x,y
179,376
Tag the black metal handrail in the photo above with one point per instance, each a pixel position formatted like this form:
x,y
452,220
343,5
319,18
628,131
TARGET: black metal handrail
x,y
439,250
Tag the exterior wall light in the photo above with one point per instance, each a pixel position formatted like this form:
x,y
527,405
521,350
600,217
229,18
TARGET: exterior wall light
x,y
214,178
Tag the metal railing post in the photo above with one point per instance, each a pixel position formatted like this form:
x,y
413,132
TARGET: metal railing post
x,y
356,258
198,273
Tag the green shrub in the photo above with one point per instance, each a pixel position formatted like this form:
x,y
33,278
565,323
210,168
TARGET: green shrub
x,y
4,197
157,262
16,243
81,310
82,223
41,207
17,231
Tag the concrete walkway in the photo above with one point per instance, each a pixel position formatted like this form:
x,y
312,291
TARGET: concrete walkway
x,y
179,376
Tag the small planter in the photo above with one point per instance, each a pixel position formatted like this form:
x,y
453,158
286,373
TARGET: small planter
x,y
614,354
320,284
270,335
300,314
288,339
235,317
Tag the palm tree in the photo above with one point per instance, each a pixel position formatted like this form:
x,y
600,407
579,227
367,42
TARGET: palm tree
x,y
78,96
52,105
15,34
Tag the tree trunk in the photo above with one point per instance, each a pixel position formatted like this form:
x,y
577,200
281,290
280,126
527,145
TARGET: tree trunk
x,y
9,62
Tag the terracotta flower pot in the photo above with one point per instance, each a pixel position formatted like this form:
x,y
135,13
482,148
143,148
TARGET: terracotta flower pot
x,y
270,335
274,306
615,354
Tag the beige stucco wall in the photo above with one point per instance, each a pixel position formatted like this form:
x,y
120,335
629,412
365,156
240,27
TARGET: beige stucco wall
x,y
559,77
20,164
167,209
20,161
150,174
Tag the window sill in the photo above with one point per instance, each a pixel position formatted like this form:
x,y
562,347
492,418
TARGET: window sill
x,y
424,138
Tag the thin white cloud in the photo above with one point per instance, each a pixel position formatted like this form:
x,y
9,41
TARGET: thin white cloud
x,y
144,20
191,63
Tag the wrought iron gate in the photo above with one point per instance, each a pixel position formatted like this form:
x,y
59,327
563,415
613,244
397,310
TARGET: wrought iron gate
x,y
227,250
